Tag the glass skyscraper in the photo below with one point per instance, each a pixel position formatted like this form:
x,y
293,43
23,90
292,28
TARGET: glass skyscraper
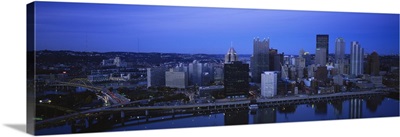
x,y
259,59
356,59
321,52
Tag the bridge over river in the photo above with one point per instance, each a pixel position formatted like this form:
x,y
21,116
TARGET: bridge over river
x,y
126,112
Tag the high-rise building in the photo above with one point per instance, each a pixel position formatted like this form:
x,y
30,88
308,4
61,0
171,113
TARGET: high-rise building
x,y
207,74
269,84
259,59
321,73
307,57
195,73
322,50
339,50
236,79
301,53
300,62
311,70
373,64
176,79
275,60
218,73
272,53
231,55
339,55
356,59
156,76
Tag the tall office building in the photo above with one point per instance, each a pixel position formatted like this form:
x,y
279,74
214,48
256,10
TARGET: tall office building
x,y
231,55
339,50
207,74
275,60
269,83
272,53
339,55
373,64
156,76
176,79
301,53
259,59
195,73
300,62
356,59
307,57
321,73
322,50
236,79
218,73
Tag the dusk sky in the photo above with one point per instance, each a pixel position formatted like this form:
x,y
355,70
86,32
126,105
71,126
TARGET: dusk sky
x,y
167,29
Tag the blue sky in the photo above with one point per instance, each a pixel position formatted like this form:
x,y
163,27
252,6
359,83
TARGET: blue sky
x,y
133,28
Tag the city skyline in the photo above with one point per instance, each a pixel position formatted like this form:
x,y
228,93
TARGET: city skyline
x,y
193,30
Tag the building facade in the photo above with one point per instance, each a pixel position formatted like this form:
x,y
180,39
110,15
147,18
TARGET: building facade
x,y
322,49
339,50
259,59
339,55
156,76
356,59
231,55
195,73
236,79
373,64
176,79
269,84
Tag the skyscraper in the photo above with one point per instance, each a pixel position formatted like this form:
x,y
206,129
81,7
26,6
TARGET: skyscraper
x,y
269,84
356,59
339,55
156,76
231,55
236,79
176,79
275,60
207,74
195,73
339,50
200,74
321,52
373,64
259,59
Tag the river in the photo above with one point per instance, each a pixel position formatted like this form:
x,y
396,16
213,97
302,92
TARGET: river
x,y
353,108
376,106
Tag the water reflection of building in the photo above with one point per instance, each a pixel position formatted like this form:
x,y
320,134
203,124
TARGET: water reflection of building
x,y
321,108
287,109
337,107
355,107
373,103
265,115
236,117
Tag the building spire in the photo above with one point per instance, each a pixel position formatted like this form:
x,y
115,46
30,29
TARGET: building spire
x,y
231,55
